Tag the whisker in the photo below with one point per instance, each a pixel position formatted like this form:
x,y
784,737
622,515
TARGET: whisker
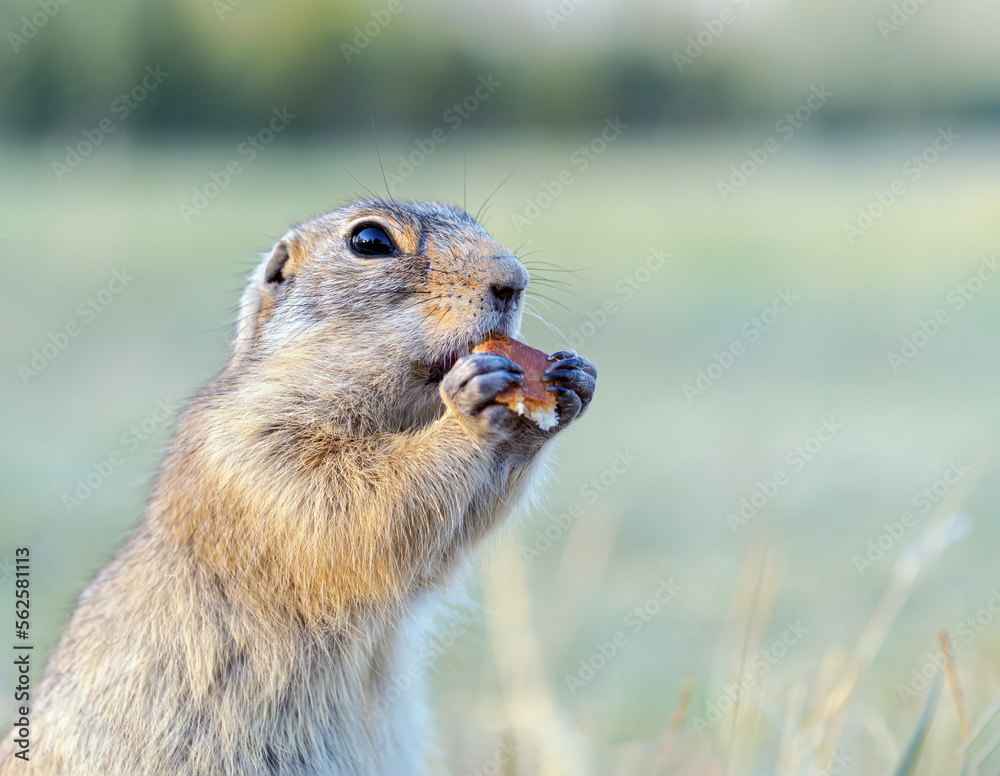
x,y
551,282
488,214
379,157
494,192
554,329
374,195
550,299
536,282
556,268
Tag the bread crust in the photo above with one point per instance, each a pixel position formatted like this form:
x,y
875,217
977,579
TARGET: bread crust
x,y
532,398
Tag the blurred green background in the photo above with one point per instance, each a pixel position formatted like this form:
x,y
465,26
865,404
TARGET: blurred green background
x,y
831,210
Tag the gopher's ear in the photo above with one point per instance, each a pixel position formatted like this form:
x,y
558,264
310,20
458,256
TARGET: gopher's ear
x,y
284,262
268,280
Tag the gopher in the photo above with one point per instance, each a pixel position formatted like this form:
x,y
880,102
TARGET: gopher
x,y
313,507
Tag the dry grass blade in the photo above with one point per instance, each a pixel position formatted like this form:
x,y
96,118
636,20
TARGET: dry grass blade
x,y
831,668
582,569
945,528
973,759
669,740
529,709
790,748
954,686
984,719
881,735
987,762
753,606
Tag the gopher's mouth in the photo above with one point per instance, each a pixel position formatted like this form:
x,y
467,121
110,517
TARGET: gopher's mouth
x,y
441,367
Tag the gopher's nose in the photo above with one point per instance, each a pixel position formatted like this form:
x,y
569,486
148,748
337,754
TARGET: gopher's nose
x,y
506,292
505,295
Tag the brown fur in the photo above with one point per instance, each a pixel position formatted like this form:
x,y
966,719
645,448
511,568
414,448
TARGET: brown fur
x,y
315,499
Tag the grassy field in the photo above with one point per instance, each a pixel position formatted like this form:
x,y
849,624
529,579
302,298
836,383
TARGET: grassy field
x,y
798,410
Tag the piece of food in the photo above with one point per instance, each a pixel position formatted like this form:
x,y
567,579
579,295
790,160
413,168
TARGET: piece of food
x,y
530,398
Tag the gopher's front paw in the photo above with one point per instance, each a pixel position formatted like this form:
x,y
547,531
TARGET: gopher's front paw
x,y
574,380
471,386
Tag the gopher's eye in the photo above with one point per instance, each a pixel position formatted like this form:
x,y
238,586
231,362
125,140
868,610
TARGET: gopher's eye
x,y
372,241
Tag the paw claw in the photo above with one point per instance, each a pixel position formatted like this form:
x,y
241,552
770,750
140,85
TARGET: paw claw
x,y
471,387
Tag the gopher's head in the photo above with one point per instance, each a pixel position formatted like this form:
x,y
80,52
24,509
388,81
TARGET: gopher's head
x,y
369,306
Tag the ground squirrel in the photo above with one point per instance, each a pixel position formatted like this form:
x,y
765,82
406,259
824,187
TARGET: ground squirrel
x,y
314,502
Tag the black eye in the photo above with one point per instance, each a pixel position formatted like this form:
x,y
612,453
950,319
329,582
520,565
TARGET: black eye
x,y
372,241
